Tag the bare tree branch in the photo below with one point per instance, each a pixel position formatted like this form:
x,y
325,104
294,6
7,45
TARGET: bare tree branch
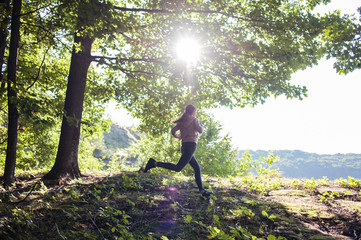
x,y
39,71
154,60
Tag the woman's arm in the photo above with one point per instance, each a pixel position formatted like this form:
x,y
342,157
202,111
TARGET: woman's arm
x,y
199,126
174,132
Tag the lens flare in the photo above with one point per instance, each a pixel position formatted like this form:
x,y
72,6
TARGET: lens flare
x,y
188,50
172,189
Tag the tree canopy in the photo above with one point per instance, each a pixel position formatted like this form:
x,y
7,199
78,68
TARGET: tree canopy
x,y
249,51
343,41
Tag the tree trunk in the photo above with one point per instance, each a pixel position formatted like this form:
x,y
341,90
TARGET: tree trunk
x,y
66,162
13,115
3,36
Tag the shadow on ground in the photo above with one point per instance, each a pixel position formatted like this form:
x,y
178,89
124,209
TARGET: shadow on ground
x,y
132,205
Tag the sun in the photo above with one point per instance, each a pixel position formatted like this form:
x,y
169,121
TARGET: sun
x,y
188,50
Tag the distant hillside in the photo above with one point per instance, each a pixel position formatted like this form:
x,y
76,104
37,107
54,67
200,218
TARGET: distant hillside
x,y
299,164
115,143
120,137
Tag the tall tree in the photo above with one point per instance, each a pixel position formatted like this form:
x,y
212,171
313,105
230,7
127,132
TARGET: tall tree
x,y
42,71
13,113
5,9
86,32
39,78
66,162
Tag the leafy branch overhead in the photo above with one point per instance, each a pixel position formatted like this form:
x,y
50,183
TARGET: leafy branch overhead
x,y
249,50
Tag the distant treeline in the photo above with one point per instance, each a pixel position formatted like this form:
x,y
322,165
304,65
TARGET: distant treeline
x,y
299,164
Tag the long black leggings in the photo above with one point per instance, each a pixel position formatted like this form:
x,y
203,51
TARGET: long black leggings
x,y
188,149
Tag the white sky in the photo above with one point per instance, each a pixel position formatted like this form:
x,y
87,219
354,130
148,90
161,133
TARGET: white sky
x,y
328,121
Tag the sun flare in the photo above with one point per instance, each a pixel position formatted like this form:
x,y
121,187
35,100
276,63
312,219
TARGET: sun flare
x,y
188,50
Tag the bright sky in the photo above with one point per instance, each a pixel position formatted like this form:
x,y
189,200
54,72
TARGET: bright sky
x,y
328,121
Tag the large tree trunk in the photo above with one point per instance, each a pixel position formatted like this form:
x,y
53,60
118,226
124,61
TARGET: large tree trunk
x,y
66,163
13,115
5,9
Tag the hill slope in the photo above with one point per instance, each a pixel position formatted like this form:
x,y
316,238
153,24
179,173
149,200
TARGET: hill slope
x,y
120,137
132,205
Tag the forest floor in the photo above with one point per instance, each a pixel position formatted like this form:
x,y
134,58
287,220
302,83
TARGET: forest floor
x,y
133,205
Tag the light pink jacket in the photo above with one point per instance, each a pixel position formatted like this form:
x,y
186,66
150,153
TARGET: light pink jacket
x,y
188,130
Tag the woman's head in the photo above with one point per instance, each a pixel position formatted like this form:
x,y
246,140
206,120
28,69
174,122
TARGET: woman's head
x,y
190,111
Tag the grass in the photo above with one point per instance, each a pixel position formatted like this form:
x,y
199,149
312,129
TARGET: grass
x,y
132,205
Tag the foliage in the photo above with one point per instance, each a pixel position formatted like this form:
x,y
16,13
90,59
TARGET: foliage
x,y
215,152
249,52
343,41
39,108
86,159
351,183
311,184
260,185
326,196
44,58
262,166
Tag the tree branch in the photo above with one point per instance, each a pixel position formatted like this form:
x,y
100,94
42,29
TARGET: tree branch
x,y
28,13
188,11
3,142
51,35
126,71
143,10
154,60
39,71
